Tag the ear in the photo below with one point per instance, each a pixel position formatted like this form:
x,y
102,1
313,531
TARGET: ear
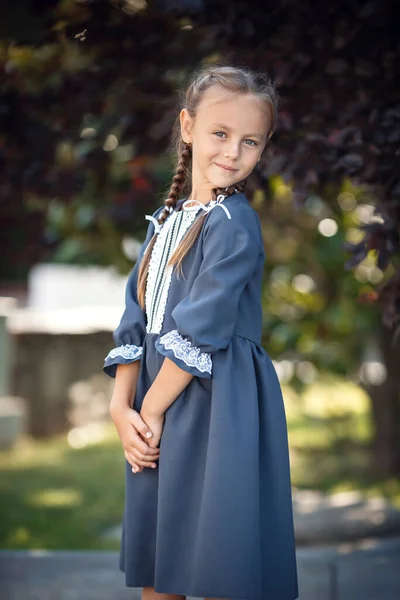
x,y
186,125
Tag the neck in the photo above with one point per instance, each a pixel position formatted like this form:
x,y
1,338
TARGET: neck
x,y
203,198
201,190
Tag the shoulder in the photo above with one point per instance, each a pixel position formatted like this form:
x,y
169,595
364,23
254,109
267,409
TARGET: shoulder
x,y
242,218
158,211
153,221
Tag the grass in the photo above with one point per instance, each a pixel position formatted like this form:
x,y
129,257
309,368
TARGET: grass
x,y
55,496
66,491
330,433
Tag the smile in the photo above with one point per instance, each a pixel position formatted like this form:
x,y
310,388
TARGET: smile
x,y
226,168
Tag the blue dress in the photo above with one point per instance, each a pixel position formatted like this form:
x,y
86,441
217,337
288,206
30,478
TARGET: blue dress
x,y
214,519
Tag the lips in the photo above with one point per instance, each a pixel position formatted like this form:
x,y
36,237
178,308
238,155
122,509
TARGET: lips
x,y
226,168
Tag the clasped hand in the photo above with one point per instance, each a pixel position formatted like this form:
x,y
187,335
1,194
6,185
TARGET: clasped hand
x,y
134,430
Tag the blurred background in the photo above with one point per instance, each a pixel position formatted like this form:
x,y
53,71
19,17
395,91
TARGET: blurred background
x,y
89,91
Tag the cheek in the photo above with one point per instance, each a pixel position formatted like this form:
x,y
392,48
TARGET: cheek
x,y
249,164
251,160
215,147
209,149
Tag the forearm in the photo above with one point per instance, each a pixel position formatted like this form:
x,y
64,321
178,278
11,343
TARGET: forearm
x,y
125,385
169,383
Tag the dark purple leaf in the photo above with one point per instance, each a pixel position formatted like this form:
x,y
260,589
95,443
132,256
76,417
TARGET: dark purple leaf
x,y
336,66
351,162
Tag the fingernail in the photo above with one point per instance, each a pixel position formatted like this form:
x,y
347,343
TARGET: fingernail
x,y
153,466
149,434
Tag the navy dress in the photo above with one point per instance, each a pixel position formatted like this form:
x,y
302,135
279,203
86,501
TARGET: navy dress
x,y
214,519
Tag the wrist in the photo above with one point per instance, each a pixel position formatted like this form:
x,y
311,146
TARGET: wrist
x,y
118,404
149,408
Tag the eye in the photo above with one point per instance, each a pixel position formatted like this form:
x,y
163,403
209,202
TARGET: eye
x,y
252,143
217,133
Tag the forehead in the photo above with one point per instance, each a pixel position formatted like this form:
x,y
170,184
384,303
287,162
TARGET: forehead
x,y
241,112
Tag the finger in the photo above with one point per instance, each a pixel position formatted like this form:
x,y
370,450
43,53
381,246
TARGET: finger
x,y
154,444
136,468
136,420
142,463
145,459
131,460
142,446
136,464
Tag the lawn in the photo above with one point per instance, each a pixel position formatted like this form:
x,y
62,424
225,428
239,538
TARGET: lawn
x,y
66,491
55,496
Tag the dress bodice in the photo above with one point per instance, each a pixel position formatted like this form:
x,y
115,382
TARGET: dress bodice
x,y
159,274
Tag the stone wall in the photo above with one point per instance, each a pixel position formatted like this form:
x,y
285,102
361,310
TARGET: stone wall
x,y
58,332
60,377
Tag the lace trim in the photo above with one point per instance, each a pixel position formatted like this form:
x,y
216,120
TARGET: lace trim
x,y
155,259
127,351
165,245
183,349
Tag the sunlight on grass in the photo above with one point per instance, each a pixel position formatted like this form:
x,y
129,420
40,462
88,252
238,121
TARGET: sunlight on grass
x,y
55,497
79,437
19,537
52,451
330,431
329,410
334,397
28,453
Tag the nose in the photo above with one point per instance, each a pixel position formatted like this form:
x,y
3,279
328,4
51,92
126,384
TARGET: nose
x,y
232,150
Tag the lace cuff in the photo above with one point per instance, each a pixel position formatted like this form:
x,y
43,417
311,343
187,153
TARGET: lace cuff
x,y
184,354
122,355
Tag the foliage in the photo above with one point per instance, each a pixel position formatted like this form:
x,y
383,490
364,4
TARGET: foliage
x,y
312,320
88,99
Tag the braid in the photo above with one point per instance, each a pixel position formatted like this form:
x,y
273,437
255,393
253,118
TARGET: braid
x,y
178,182
194,230
233,189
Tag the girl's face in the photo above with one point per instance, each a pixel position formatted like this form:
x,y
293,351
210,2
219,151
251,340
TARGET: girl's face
x,y
228,135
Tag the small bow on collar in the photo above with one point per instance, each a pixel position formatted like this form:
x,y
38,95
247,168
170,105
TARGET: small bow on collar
x,y
212,204
157,226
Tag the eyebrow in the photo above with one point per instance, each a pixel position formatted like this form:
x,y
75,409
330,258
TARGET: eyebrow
x,y
258,135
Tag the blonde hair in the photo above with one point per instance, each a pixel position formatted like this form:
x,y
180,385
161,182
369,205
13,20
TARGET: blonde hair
x,y
234,79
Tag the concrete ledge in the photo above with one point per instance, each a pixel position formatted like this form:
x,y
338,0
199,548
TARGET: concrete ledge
x,y
368,570
346,516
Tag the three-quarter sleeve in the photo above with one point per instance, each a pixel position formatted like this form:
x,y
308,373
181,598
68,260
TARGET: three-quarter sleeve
x,y
131,331
205,319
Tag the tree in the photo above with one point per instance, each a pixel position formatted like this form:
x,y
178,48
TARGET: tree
x,y
88,98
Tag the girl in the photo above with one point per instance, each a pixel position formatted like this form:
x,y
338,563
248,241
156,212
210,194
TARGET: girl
x,y
194,390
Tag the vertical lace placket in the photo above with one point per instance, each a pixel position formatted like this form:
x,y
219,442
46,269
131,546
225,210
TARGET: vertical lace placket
x,y
159,274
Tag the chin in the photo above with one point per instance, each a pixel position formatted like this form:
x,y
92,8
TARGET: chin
x,y
226,181
218,180
225,184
